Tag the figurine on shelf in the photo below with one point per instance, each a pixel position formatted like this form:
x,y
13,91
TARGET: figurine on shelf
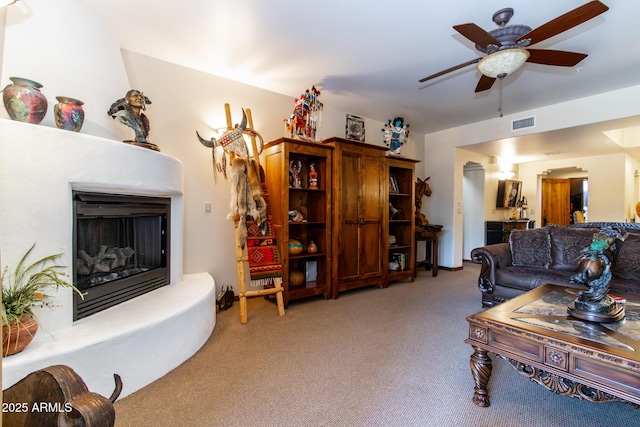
x,y
393,211
294,174
295,216
129,111
396,134
307,114
313,176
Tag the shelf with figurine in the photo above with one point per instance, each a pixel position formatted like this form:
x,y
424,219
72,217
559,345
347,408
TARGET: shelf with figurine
x,y
299,183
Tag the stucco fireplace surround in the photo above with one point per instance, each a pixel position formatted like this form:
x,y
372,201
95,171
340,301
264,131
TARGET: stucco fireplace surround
x,y
141,339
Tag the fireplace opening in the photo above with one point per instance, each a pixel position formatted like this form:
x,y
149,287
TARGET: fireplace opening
x,y
121,244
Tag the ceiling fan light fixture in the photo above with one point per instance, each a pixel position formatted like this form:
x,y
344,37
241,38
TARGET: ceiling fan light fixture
x,y
503,62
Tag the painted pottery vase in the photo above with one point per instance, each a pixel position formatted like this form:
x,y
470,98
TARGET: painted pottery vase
x,y
18,335
295,247
296,278
24,101
312,248
68,113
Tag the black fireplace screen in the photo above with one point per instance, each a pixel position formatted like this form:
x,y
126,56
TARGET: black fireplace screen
x,y
121,246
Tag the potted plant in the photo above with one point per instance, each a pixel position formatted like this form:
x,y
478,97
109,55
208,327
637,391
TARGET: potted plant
x,y
24,288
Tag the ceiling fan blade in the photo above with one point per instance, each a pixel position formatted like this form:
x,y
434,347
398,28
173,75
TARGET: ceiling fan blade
x,y
448,70
559,58
485,83
476,35
564,22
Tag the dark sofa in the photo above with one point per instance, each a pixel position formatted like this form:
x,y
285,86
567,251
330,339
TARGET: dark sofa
x,y
551,254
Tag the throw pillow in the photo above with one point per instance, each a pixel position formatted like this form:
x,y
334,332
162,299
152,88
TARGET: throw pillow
x,y
567,245
627,259
530,248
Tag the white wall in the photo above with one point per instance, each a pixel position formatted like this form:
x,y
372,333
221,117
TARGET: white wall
x,y
630,197
445,165
94,70
63,47
608,181
185,100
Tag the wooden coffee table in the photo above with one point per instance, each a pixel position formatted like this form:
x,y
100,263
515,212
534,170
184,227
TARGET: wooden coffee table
x,y
598,362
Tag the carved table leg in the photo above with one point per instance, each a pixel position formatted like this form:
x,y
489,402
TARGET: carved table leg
x,y
481,370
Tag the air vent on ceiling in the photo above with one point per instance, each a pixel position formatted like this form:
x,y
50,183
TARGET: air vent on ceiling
x,y
528,122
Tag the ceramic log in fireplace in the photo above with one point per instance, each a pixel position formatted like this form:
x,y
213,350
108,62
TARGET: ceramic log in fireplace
x,y
121,244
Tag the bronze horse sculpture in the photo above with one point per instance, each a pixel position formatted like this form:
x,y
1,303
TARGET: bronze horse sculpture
x,y
422,189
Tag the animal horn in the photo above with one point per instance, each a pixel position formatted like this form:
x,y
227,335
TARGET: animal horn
x,y
211,144
117,390
243,124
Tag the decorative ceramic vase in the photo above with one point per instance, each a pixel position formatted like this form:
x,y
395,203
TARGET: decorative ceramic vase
x,y
312,248
295,247
18,335
296,278
68,113
24,101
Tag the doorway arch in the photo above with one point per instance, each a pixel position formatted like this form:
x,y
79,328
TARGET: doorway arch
x,y
473,179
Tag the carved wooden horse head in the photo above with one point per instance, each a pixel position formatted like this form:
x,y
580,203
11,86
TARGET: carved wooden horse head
x,y
422,189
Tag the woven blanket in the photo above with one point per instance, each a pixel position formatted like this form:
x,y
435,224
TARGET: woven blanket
x,y
262,249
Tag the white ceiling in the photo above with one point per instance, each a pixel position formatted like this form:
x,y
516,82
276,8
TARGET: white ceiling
x,y
367,56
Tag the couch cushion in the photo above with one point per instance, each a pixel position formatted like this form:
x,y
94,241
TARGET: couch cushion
x,y
567,245
627,259
527,278
619,286
530,248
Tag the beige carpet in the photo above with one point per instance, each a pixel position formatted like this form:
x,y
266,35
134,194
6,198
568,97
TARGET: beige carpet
x,y
373,357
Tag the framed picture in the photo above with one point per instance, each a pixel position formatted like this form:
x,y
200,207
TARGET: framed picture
x,y
512,193
311,271
393,184
354,128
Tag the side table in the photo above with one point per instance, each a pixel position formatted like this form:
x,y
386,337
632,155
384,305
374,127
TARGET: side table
x,y
428,234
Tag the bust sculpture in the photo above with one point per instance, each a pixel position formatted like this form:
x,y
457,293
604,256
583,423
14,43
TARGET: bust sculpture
x,y
129,111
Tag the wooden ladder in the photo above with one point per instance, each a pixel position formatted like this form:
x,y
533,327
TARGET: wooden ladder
x,y
241,258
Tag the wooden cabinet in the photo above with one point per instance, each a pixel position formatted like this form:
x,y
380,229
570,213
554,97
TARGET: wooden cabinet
x,y
313,201
499,231
400,219
359,246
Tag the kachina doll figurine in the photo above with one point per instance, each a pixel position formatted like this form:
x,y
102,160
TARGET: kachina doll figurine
x,y
396,134
294,174
306,117
313,176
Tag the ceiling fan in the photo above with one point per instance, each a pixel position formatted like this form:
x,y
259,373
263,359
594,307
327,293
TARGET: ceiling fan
x,y
507,47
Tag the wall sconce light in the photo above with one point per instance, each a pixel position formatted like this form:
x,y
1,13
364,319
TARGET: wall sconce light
x,y
507,174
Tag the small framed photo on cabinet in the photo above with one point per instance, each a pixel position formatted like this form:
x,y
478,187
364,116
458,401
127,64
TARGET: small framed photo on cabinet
x,y
354,128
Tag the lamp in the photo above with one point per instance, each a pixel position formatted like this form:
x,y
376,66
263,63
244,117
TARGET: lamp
x,y
7,2
503,62
507,174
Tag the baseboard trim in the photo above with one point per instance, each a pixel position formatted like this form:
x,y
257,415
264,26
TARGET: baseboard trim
x,y
451,268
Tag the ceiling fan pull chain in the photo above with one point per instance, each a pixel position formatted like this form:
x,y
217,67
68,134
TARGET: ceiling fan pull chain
x,y
500,95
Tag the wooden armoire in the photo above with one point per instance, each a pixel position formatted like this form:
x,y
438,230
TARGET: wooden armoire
x,y
359,237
